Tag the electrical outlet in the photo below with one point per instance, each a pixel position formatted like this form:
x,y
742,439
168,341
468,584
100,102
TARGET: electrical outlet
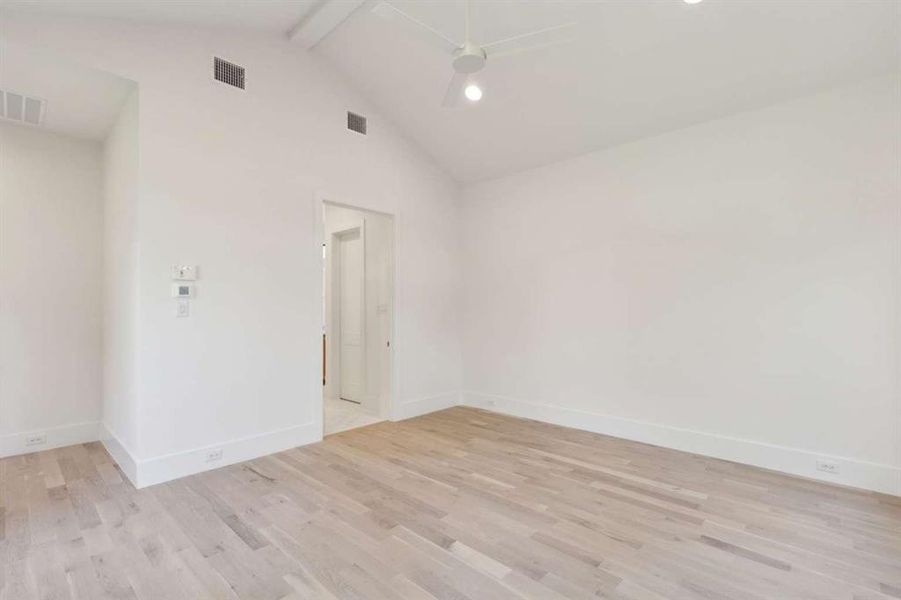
x,y
36,439
214,455
828,467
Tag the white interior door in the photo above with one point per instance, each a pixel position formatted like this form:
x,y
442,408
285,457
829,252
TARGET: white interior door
x,y
352,316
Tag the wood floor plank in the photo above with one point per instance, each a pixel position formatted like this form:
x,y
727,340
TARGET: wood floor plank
x,y
458,504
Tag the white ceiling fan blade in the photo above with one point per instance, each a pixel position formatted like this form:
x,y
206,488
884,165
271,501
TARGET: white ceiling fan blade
x,y
390,13
454,94
551,36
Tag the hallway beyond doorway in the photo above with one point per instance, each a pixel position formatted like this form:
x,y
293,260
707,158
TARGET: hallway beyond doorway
x,y
341,415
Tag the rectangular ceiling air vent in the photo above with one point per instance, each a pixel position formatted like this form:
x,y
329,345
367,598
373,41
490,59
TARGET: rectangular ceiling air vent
x,y
21,108
228,73
356,122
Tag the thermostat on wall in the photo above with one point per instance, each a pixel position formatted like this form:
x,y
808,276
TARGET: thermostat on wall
x,y
184,272
183,290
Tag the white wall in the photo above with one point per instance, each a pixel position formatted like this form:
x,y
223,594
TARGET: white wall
x,y
50,244
228,180
121,254
731,288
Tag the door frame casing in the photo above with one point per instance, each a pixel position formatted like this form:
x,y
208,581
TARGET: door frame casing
x,y
389,403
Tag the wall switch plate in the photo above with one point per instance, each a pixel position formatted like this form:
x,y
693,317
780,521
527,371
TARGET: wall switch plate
x,y
214,455
827,466
36,439
181,308
184,273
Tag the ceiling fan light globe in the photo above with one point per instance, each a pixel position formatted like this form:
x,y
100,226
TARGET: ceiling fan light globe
x,y
473,92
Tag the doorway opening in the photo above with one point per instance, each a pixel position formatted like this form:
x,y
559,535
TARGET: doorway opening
x,y
358,311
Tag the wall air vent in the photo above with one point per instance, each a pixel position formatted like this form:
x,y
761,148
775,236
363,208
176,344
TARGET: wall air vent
x,y
356,122
21,108
228,73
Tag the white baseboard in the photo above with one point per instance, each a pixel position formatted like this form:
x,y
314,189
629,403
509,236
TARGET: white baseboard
x,y
160,469
117,450
56,437
856,473
415,408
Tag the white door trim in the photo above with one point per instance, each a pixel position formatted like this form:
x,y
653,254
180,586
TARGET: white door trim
x,y
390,408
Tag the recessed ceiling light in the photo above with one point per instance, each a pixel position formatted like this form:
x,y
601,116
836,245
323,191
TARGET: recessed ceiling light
x,y
473,92
691,1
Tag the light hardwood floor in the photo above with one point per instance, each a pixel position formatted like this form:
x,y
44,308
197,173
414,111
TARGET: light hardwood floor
x,y
457,504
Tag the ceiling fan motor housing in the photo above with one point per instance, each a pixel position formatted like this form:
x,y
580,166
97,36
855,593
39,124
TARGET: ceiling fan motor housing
x,y
469,59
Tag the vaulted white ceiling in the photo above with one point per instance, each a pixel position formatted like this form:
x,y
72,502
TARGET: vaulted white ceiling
x,y
638,68
79,102
275,16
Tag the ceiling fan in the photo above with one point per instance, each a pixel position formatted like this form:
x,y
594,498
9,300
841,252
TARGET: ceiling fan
x,y
468,57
